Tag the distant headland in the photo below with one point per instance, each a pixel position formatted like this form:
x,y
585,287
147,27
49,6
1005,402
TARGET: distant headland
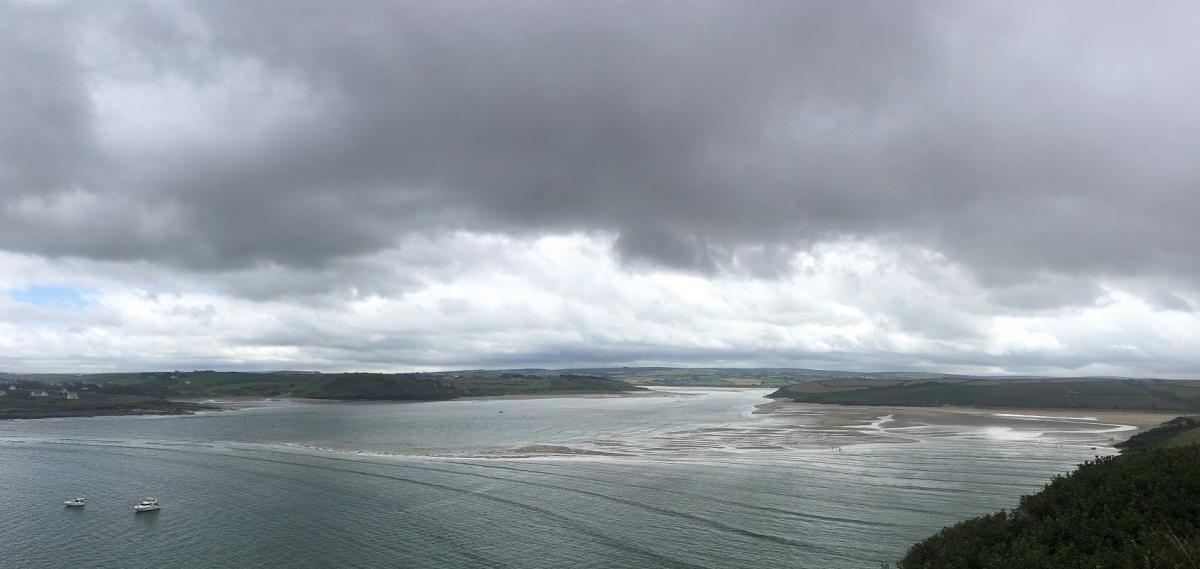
x,y
30,396
33,395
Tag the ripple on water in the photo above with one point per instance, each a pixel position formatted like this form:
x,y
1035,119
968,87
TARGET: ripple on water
x,y
565,483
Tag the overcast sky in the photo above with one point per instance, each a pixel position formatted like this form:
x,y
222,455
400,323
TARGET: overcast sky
x,y
986,187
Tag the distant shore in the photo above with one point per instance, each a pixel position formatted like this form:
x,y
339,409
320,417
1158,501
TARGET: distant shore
x,y
579,395
175,408
848,419
190,406
244,401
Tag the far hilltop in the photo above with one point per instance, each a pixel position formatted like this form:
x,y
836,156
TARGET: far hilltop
x,y
905,388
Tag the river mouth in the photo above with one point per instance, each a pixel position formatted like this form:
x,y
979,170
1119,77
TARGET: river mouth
x,y
686,479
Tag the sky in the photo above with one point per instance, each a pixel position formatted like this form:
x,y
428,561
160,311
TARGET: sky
x,y
970,187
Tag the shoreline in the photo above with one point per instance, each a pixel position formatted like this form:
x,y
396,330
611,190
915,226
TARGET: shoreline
x,y
235,402
193,405
1134,417
575,394
25,414
853,424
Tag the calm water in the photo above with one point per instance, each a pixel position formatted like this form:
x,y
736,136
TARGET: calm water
x,y
699,482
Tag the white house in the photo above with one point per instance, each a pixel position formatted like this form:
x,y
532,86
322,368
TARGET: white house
x,y
38,394
72,395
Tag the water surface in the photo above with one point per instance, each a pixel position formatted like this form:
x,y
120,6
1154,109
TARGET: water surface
x,y
689,480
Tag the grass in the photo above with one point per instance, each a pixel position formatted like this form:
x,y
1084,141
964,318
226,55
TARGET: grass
x,y
1186,438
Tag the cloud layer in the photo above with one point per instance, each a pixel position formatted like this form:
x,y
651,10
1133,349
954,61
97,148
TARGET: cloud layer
x,y
1008,187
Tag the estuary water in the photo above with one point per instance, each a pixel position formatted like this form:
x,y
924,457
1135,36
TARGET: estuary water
x,y
685,478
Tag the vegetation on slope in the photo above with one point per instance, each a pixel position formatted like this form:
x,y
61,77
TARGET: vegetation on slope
x,y
1180,431
406,386
1062,393
425,387
668,376
739,377
122,394
1138,510
18,404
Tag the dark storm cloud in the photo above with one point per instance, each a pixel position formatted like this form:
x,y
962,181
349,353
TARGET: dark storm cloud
x,y
1020,139
45,116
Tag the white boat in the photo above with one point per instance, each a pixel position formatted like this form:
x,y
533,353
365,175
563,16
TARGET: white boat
x,y
146,505
74,503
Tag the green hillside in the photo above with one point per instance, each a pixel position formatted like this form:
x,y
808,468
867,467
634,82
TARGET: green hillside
x,y
399,386
1178,432
1060,393
1138,510
159,392
20,405
650,375
740,377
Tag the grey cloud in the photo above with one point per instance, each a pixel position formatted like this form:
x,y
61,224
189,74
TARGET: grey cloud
x,y
529,115
1046,292
1020,139
46,116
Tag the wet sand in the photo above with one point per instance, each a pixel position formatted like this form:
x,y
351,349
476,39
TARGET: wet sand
x,y
235,402
578,395
232,403
839,425
785,426
972,416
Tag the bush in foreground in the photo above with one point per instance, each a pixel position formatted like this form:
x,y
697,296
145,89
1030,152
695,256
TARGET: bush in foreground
x,y
1137,510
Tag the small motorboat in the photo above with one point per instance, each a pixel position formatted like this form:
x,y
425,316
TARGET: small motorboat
x,y
74,503
146,505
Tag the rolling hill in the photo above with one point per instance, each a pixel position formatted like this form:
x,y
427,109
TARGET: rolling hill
x,y
1051,393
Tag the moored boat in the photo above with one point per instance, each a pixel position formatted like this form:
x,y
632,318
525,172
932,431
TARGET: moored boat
x,y
147,505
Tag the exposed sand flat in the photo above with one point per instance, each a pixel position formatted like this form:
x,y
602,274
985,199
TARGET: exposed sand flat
x,y
578,395
839,385
532,451
971,415
782,426
837,425
235,402
1141,419
230,403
